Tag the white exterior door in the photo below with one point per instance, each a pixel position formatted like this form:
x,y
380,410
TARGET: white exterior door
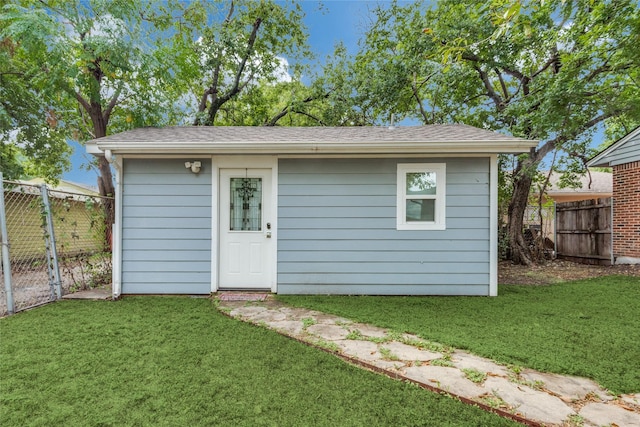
x,y
246,234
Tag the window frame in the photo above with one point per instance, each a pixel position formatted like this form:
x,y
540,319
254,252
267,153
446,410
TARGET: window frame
x,y
439,222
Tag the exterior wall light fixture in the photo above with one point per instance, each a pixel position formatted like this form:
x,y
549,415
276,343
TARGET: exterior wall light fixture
x,y
194,166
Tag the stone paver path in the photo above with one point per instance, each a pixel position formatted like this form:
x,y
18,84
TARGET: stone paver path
x,y
535,397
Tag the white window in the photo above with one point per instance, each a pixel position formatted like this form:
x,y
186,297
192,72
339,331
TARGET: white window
x,y
421,196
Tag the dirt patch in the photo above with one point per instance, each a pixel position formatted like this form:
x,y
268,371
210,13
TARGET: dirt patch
x,y
558,271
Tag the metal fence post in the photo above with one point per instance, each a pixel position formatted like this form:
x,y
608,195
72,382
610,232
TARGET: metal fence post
x,y
555,230
50,242
6,261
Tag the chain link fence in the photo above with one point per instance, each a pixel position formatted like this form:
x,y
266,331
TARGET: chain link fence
x,y
56,242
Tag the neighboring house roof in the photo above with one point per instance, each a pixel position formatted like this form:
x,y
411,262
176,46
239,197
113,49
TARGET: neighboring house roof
x,y
64,189
310,140
624,150
67,186
597,184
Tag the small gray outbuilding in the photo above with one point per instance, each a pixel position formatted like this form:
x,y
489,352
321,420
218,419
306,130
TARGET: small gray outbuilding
x,y
318,210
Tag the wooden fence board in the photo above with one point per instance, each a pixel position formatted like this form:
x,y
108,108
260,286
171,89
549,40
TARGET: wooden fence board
x,y
583,231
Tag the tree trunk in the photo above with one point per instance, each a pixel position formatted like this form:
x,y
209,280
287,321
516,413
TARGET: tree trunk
x,y
523,178
105,180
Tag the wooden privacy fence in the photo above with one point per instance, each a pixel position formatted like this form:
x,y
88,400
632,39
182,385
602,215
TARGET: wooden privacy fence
x,y
583,231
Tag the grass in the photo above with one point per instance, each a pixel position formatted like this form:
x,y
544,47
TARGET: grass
x,y
169,361
588,328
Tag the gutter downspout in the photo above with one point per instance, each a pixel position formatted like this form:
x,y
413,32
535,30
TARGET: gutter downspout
x,y
116,226
493,225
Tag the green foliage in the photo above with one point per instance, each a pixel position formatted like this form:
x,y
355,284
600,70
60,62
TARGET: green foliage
x,y
553,71
30,141
177,361
78,70
228,54
544,70
584,328
474,375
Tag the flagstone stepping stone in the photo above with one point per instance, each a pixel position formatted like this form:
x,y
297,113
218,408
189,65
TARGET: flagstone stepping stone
x,y
451,380
464,360
364,350
530,403
328,332
408,352
607,414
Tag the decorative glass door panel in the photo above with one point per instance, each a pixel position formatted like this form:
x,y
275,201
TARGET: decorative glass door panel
x,y
247,249
245,207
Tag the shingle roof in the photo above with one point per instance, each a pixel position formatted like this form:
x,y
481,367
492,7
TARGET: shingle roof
x,y
455,132
227,139
595,182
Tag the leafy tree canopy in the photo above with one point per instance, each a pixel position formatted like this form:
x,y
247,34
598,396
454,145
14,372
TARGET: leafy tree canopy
x,y
553,70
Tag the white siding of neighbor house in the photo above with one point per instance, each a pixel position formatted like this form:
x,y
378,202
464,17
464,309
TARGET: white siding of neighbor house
x,y
166,227
337,230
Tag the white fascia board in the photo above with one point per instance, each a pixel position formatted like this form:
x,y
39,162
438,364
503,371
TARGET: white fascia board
x,y
311,148
92,148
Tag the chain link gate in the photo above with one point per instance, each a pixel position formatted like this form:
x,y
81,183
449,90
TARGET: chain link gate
x,y
55,242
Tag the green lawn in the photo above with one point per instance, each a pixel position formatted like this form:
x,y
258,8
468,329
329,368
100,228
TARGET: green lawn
x,y
176,361
588,328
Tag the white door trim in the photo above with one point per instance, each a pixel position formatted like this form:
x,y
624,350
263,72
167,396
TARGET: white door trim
x,y
230,162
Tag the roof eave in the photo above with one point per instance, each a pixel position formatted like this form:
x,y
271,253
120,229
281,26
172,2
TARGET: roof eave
x,y
479,147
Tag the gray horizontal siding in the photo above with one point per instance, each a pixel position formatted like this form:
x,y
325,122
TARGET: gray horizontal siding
x,y
374,223
166,255
627,152
387,279
337,230
377,289
366,212
425,266
343,256
398,244
166,227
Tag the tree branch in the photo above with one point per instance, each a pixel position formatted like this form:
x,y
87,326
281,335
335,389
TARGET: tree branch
x,y
505,93
112,103
85,104
551,145
553,60
303,113
491,93
286,110
213,89
215,104
414,90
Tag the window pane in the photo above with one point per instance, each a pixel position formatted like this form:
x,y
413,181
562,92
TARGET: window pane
x,y
421,210
246,204
421,183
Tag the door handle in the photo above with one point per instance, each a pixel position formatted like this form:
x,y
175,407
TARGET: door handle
x,y
268,234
